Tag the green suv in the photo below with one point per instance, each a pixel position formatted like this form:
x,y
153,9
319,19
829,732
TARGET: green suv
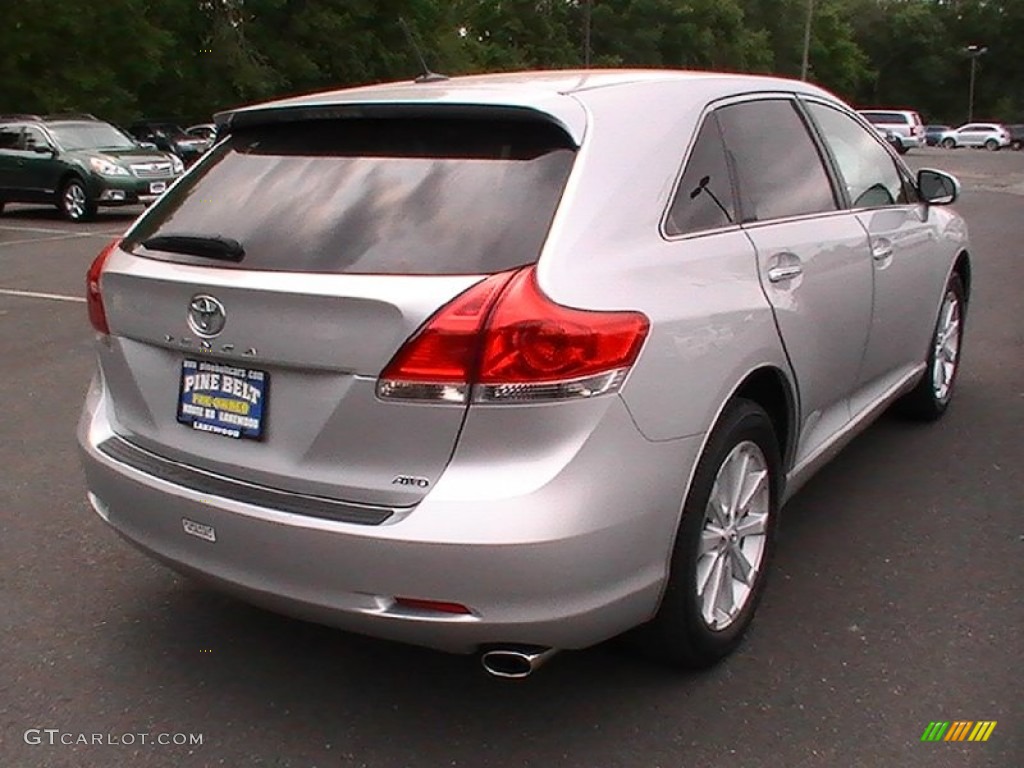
x,y
78,163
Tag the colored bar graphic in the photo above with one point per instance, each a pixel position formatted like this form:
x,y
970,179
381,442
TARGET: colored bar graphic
x,y
958,730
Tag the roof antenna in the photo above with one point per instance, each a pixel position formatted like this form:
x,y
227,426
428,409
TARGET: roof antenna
x,y
426,76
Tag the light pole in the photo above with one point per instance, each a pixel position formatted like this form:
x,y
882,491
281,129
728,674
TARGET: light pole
x,y
974,51
805,65
586,33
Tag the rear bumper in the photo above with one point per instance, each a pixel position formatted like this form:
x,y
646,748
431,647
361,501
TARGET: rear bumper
x,y
566,563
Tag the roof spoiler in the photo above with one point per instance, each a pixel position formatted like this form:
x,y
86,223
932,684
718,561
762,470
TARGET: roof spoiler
x,y
232,120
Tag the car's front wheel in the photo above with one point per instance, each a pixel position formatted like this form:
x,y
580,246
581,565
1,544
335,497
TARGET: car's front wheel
x,y
75,203
723,545
948,143
930,398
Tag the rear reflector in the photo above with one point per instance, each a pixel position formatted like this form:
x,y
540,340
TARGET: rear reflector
x,y
436,606
93,294
503,340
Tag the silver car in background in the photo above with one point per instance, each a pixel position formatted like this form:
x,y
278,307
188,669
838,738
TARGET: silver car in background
x,y
991,136
515,363
906,124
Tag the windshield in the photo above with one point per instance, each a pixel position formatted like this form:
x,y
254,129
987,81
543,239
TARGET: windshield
x,y
390,196
97,135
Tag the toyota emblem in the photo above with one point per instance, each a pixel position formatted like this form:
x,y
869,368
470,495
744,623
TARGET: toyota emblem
x,y
206,316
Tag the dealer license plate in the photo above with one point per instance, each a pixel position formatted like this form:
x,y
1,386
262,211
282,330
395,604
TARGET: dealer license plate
x,y
222,399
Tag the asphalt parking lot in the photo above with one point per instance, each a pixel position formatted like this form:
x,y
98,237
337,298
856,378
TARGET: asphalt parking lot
x,y
897,596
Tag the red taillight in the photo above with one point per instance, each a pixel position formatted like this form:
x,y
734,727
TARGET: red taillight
x,y
93,295
530,339
435,606
444,350
505,340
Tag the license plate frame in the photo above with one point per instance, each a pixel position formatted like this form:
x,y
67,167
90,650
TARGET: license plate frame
x,y
223,399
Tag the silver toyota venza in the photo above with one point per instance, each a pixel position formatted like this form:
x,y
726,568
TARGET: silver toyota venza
x,y
519,362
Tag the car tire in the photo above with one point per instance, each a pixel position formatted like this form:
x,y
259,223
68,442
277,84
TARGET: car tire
x,y
948,143
75,203
992,145
930,398
681,634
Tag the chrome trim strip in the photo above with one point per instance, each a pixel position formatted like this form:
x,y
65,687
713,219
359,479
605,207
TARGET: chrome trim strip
x,y
199,480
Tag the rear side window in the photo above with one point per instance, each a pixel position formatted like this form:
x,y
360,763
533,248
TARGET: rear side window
x,y
779,171
432,196
704,199
10,137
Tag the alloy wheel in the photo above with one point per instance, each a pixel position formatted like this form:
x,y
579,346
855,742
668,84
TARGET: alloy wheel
x,y
74,200
946,353
734,535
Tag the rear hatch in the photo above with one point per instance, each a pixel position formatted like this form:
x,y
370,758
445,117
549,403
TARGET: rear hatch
x,y
252,309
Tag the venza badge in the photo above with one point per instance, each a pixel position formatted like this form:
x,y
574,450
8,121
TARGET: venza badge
x,y
206,315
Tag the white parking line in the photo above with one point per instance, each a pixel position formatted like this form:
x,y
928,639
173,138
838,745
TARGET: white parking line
x,y
51,238
37,295
35,229
51,231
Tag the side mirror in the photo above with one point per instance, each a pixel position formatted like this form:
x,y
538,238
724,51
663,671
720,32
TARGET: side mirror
x,y
44,149
147,145
937,187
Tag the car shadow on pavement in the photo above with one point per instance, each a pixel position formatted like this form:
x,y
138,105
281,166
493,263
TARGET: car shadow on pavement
x,y
28,214
314,685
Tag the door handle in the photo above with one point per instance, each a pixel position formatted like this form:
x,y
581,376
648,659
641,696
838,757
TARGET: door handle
x,y
881,249
788,272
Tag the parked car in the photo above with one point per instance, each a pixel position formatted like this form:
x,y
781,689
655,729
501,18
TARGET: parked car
x,y
205,131
903,122
500,373
170,138
78,163
935,135
890,137
991,136
1016,136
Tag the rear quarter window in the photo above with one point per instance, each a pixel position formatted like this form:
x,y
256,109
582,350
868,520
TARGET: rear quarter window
x,y
372,196
704,199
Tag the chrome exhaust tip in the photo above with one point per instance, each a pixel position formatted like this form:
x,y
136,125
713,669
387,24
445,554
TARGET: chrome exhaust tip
x,y
515,662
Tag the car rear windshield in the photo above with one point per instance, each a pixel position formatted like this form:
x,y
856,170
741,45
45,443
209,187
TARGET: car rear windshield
x,y
435,196
886,117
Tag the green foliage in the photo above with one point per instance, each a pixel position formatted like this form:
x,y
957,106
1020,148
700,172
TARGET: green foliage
x,y
188,58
